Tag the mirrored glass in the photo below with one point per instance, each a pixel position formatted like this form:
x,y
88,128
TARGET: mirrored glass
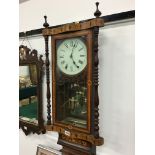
x,y
28,99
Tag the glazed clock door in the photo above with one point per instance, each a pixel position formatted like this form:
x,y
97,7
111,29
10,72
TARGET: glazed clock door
x,y
71,76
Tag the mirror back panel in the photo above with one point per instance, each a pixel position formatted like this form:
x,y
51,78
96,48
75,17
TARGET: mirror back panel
x,y
30,91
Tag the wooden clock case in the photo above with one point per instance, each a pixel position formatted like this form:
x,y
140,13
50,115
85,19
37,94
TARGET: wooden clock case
x,y
76,141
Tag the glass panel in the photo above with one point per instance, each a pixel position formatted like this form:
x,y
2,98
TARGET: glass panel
x,y
28,100
71,90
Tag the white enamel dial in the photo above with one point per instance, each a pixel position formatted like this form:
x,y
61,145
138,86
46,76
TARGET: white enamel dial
x,y
72,56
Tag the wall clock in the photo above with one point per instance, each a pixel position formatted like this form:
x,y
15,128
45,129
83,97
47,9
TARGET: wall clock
x,y
74,85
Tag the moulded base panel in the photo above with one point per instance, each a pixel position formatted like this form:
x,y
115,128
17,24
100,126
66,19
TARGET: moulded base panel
x,y
72,148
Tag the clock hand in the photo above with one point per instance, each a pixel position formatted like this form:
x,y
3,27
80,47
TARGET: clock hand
x,y
72,52
75,64
71,56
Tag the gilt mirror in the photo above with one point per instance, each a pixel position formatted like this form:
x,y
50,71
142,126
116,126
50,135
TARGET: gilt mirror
x,y
30,91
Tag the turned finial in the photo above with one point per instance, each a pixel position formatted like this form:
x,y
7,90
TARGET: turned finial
x,y
46,25
97,13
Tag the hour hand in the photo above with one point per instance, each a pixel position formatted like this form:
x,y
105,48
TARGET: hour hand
x,y
71,56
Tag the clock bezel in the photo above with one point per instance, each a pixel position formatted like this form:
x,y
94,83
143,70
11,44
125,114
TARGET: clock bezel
x,y
88,70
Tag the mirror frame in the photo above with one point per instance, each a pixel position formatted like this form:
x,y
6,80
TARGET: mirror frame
x,y
25,58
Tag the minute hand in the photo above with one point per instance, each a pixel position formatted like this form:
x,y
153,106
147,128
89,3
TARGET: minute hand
x,y
71,56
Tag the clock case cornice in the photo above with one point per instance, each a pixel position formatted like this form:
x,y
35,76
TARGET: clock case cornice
x,y
97,22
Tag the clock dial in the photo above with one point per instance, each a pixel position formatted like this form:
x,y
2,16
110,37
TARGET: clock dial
x,y
72,56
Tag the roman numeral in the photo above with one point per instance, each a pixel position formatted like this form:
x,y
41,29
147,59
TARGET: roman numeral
x,y
66,66
81,62
81,49
74,43
62,62
71,43
66,45
82,55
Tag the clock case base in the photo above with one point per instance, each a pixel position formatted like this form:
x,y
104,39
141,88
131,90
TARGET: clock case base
x,y
70,148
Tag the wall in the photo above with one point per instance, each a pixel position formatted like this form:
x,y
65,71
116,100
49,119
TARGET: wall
x,y
116,71
64,11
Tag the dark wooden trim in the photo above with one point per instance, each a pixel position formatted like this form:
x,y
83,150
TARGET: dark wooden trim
x,y
107,18
119,16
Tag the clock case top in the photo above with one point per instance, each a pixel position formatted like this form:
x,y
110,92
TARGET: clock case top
x,y
78,137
